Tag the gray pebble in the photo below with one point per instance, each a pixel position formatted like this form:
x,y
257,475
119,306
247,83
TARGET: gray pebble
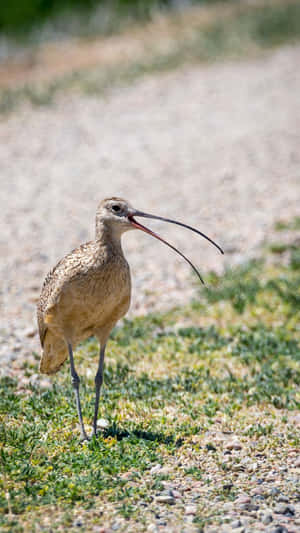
x,y
282,508
235,524
283,498
249,507
259,497
175,493
239,530
165,498
267,518
274,491
278,529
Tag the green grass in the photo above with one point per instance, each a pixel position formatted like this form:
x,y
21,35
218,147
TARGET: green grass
x,y
283,225
248,29
232,364
20,17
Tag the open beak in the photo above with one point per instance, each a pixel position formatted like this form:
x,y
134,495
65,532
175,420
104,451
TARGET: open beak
x,y
133,213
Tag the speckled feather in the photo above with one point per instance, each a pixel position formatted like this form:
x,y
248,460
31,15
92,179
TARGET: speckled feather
x,y
85,294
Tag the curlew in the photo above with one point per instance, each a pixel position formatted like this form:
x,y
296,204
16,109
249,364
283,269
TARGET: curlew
x,y
88,291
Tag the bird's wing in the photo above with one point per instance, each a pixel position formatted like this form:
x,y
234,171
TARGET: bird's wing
x,y
73,265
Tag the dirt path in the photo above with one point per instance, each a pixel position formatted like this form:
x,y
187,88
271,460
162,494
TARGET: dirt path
x,y
216,146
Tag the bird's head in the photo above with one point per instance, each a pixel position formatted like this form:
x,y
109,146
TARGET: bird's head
x,y
118,216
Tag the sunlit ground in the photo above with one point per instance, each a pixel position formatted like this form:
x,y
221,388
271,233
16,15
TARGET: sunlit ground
x,y
200,404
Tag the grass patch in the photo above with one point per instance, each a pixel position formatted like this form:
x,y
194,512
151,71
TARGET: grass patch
x,y
283,225
241,30
231,366
21,18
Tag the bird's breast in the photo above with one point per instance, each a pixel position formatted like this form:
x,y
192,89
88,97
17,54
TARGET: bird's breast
x,y
94,301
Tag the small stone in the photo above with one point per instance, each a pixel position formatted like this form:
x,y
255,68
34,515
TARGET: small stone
x,y
45,383
17,347
233,445
274,491
190,510
155,469
267,518
165,498
259,498
189,519
257,491
228,486
102,423
29,332
283,498
238,468
78,522
227,506
176,494
251,507
152,528
235,524
296,420
244,498
126,475
287,510
245,521
297,462
34,379
278,529
253,467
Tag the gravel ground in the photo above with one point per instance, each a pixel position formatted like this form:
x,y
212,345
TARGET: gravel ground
x,y
264,485
214,146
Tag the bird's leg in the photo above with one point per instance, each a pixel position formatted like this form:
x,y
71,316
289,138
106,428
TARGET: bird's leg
x,y
75,384
98,383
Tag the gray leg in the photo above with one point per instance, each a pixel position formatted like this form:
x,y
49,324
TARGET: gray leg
x,y
75,384
98,383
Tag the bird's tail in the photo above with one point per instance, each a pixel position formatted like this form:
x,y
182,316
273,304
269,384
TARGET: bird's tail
x,y
54,354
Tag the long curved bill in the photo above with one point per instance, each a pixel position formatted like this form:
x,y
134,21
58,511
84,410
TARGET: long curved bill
x,y
137,225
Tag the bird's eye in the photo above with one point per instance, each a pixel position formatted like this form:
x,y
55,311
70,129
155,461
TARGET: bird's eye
x,y
116,208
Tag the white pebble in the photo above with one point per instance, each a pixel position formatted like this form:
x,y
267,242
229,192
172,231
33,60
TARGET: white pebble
x,y
191,509
233,445
165,499
152,528
102,423
155,469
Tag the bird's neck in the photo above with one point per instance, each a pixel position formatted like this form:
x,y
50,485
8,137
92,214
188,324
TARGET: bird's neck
x,y
108,237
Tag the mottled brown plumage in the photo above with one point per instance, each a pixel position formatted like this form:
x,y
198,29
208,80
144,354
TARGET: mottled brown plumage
x,y
88,291
85,294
